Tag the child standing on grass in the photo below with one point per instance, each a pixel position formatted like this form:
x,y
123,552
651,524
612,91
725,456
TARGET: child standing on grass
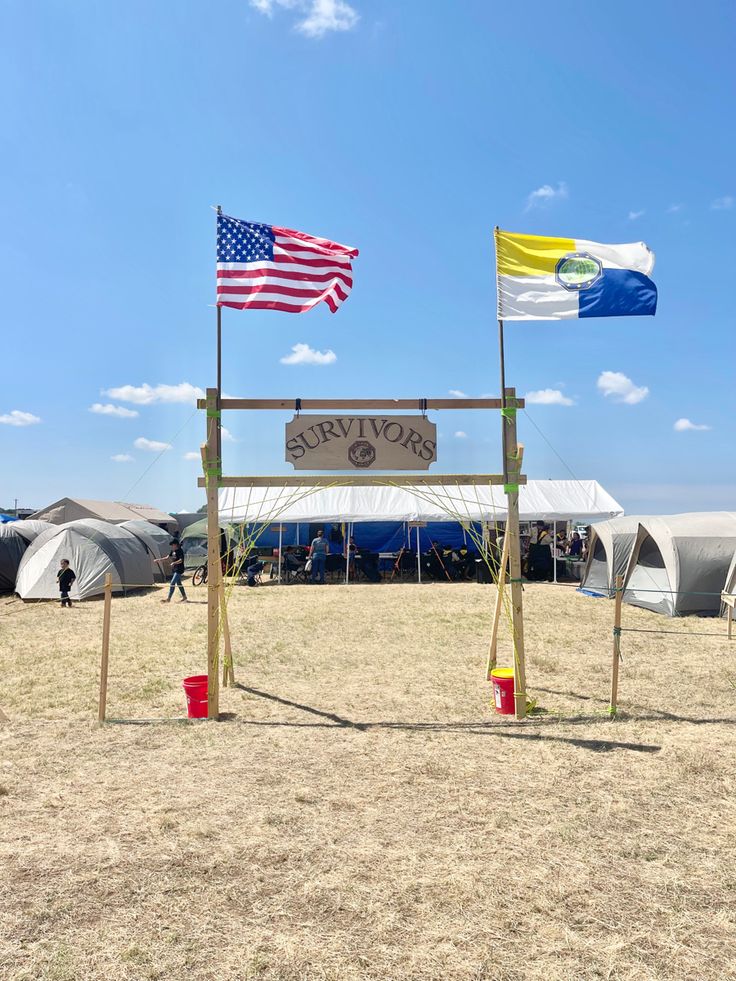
x,y
65,577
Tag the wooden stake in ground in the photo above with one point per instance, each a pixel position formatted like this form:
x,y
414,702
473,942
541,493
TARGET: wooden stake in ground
x,y
106,615
512,468
616,642
228,672
499,605
212,473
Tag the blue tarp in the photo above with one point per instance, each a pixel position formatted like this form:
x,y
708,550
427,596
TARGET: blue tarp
x,y
373,536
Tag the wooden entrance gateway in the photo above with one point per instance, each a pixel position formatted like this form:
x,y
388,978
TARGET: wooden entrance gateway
x,y
214,479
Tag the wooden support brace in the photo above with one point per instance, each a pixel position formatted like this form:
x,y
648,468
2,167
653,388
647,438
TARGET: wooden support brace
x,y
368,480
106,617
212,470
514,455
498,607
228,671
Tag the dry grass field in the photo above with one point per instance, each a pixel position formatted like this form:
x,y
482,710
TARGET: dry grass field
x,y
361,812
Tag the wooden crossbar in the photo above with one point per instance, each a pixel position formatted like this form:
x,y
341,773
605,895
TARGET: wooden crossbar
x,y
365,480
289,405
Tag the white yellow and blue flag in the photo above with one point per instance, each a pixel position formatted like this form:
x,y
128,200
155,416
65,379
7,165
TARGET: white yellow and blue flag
x,y
541,278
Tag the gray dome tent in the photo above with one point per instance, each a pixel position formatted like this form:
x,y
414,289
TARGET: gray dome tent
x,y
156,540
679,562
609,551
15,537
93,548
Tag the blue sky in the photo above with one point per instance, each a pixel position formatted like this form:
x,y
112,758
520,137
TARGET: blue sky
x,y
408,130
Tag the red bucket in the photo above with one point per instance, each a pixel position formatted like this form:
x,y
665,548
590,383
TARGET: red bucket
x,y
195,688
503,690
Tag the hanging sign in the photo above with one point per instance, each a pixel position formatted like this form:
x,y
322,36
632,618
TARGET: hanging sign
x,y
361,442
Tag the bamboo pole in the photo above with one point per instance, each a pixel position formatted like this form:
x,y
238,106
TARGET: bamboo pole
x,y
512,467
228,671
616,643
499,605
106,616
213,469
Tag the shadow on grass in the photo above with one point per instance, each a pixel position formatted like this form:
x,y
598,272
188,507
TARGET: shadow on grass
x,y
461,728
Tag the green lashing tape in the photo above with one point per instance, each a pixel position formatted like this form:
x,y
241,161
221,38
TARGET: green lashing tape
x,y
213,413
509,413
511,488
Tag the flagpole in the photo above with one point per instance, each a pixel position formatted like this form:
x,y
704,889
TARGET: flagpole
x,y
502,363
219,377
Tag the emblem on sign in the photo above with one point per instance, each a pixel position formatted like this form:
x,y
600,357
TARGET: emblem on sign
x,y
361,442
362,453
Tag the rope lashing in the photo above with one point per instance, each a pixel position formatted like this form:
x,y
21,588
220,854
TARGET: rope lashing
x,y
509,413
213,413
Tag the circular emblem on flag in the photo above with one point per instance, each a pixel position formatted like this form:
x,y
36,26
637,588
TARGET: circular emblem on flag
x,y
361,453
578,271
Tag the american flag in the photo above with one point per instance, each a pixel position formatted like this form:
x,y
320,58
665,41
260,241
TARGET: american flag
x,y
262,267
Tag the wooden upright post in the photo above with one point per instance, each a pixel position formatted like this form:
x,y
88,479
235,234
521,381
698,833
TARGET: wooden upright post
x,y
106,615
213,471
499,605
616,643
512,467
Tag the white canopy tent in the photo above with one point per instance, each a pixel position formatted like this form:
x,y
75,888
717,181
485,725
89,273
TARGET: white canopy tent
x,y
539,500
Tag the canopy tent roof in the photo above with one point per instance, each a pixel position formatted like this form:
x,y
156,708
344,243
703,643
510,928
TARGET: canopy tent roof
x,y
609,551
730,584
73,508
680,561
539,500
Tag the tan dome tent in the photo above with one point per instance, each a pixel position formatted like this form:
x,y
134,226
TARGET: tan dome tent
x,y
609,551
679,562
93,548
72,508
156,540
15,537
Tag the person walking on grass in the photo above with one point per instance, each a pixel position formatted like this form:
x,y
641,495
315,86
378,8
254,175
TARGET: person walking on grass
x,y
65,577
318,553
176,555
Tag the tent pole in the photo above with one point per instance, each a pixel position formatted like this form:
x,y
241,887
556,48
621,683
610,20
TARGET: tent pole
x,y
347,552
419,558
281,538
554,550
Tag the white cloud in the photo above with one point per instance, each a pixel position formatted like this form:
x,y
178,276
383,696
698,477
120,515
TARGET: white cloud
x,y
457,394
328,15
18,418
320,16
113,410
616,385
674,208
304,354
684,425
146,394
460,434
153,445
633,215
227,436
122,458
546,194
548,396
192,455
723,204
